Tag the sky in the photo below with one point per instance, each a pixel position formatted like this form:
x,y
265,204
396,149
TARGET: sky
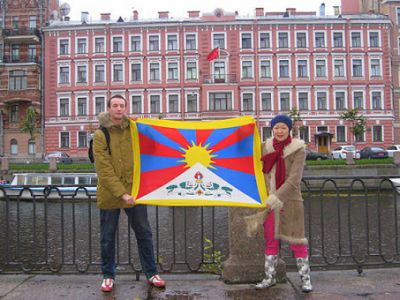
x,y
148,9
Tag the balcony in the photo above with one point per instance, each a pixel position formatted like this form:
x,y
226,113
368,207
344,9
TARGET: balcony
x,y
219,78
21,35
10,59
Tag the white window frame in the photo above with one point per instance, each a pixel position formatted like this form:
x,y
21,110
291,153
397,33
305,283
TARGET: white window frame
x,y
149,101
141,102
251,40
212,39
76,105
379,39
94,45
270,39
76,74
195,40
252,100
94,72
59,97
272,98
69,46
112,44
130,43
159,42
179,100
307,42
135,62
177,42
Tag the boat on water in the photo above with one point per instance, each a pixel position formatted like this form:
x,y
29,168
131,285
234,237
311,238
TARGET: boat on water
x,y
62,184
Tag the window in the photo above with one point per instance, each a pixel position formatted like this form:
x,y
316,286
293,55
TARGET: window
x,y
265,69
136,43
338,39
219,40
322,101
81,48
13,147
82,139
219,71
377,133
247,69
283,40
320,68
81,74
266,101
339,101
18,80
358,99
220,101
266,133
376,100
357,67
356,39
64,107
191,70
284,69
303,101
284,101
172,71
246,41
339,67
15,53
154,43
172,42
247,104
302,68
155,104
301,40
99,104
32,22
398,15
32,53
15,22
320,40
374,39
64,47
265,40
154,71
14,113
173,104
99,73
136,69
117,72
64,75
117,44
31,147
304,134
99,45
81,107
64,139
136,104
190,42
375,67
340,134
359,137
191,103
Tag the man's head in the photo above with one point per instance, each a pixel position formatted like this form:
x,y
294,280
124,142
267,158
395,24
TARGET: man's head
x,y
116,107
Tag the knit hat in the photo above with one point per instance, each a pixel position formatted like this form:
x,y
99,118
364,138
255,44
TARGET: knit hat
x,y
282,119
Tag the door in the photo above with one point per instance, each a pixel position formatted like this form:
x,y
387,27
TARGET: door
x,y
322,144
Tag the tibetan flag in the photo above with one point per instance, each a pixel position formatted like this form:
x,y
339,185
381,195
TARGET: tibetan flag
x,y
210,163
213,54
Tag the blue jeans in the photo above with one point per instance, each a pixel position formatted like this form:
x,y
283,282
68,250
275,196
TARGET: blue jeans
x,y
139,222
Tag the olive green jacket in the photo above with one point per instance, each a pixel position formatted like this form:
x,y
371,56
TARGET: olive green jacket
x,y
115,171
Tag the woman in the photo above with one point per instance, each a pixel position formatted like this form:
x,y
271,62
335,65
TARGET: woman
x,y
283,159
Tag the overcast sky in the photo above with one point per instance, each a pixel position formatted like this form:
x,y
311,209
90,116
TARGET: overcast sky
x,y
148,9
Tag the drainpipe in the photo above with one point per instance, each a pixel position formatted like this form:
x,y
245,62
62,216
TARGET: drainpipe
x,y
41,77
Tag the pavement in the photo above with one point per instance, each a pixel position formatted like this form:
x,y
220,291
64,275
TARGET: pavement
x,y
344,284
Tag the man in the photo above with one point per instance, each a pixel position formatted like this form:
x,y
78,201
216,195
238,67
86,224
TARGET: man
x,y
114,164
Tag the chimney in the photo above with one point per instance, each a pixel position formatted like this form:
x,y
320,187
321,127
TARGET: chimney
x,y
163,14
194,13
322,10
290,11
84,17
259,11
135,15
105,16
336,10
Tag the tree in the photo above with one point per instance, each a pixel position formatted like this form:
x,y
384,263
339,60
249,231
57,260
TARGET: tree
x,y
294,113
357,121
29,123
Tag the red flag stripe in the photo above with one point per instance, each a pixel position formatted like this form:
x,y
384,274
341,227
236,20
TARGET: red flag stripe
x,y
241,164
150,146
239,134
202,136
173,134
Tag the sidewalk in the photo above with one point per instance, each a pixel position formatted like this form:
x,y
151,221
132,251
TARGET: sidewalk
x,y
373,284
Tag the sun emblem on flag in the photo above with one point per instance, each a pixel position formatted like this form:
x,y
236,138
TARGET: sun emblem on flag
x,y
198,154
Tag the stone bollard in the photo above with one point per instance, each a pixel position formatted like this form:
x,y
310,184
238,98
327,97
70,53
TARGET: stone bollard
x,y
349,158
245,263
52,164
396,158
4,164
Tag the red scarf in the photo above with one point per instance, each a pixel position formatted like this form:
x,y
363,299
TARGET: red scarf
x,y
276,157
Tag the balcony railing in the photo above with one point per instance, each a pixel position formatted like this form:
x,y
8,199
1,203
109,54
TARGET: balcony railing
x,y
219,78
20,59
21,32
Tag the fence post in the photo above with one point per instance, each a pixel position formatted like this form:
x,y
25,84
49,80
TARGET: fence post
x,y
4,164
52,164
396,158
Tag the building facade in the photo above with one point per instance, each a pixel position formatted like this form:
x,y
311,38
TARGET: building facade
x,y
20,74
271,63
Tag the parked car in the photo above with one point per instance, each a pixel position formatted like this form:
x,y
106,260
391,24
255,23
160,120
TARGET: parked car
x,y
61,157
392,149
373,152
312,155
341,151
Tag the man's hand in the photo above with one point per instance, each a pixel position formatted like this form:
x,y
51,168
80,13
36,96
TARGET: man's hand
x,y
128,199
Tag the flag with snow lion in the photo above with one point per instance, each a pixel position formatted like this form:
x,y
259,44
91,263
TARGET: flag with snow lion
x,y
209,163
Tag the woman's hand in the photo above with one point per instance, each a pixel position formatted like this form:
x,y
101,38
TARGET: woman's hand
x,y
128,199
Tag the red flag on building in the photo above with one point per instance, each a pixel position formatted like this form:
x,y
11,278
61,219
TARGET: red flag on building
x,y
213,54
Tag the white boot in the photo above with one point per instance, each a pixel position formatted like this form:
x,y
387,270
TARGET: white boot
x,y
303,266
271,261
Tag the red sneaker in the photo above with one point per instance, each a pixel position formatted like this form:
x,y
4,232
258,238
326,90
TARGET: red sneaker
x,y
156,281
107,285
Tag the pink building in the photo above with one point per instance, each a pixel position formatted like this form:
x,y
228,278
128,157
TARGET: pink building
x,y
268,64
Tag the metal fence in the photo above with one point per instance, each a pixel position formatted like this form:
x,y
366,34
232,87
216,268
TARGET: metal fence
x,y
351,222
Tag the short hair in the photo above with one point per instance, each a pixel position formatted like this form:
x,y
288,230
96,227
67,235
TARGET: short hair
x,y
116,96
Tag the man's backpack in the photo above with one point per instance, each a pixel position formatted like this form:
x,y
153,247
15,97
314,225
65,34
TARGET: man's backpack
x,y
90,150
